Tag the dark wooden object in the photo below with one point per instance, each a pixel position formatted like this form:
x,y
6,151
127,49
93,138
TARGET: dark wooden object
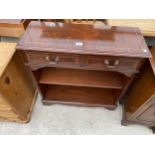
x,y
139,105
89,65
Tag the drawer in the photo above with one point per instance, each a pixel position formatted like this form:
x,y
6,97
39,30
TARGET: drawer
x,y
43,58
148,115
113,63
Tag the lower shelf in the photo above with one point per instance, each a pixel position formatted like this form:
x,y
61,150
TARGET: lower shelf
x,y
82,96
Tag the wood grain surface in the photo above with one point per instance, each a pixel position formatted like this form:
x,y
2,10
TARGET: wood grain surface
x,y
147,26
84,39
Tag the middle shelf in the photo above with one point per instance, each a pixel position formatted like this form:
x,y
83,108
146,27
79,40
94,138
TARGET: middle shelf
x,y
75,77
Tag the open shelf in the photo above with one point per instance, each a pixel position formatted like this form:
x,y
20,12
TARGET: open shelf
x,y
86,78
79,96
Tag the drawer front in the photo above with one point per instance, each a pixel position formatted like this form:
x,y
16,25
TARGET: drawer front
x,y
113,63
52,59
148,115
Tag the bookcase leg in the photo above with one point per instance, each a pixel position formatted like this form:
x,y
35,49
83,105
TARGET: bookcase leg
x,y
124,122
111,108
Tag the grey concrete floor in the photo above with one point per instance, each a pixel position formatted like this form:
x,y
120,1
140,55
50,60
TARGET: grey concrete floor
x,y
61,119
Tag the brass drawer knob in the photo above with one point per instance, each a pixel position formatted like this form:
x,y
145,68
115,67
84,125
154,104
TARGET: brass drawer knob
x,y
111,63
52,61
47,58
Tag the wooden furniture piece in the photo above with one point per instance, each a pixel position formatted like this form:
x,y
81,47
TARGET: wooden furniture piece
x,y
17,91
147,26
139,103
84,65
13,27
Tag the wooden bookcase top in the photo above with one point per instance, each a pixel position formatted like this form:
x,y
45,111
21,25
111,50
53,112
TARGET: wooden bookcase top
x,y
84,39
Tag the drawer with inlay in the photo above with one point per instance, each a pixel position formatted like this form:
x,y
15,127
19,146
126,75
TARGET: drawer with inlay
x,y
121,64
107,63
46,58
